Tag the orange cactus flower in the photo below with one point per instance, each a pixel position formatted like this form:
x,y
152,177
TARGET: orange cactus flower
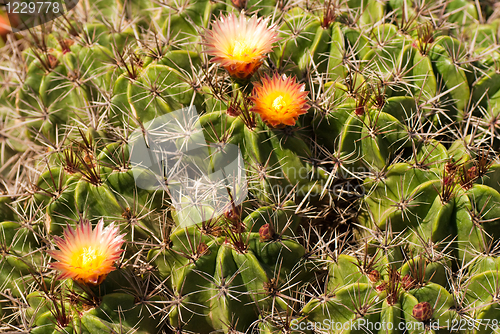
x,y
85,255
239,44
280,100
4,25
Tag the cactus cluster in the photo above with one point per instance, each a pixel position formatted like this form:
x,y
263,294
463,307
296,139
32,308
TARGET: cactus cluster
x,y
249,166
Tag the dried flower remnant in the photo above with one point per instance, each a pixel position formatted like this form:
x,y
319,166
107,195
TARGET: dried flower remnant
x,y
374,276
240,4
86,255
381,287
279,100
266,232
423,311
239,44
408,282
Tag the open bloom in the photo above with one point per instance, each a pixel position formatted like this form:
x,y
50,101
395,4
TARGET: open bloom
x,y
240,44
87,256
279,100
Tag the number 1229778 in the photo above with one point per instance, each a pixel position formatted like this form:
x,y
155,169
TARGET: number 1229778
x,y
33,7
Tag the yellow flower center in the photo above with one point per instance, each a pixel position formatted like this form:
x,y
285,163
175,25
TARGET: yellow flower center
x,y
243,51
240,48
90,257
279,103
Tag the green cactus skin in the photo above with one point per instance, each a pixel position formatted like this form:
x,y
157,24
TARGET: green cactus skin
x,y
115,312
100,188
6,212
449,210
20,255
356,297
224,285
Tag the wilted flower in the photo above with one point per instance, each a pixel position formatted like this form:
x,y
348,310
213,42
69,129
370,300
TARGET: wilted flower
x,y
280,100
374,276
266,232
240,44
422,311
85,255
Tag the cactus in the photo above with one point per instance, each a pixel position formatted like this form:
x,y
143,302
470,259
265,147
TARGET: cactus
x,y
84,313
479,299
455,196
21,256
364,294
269,166
221,283
97,185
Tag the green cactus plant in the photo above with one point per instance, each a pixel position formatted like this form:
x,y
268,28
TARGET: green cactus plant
x,y
370,293
367,149
73,310
455,196
97,185
223,281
